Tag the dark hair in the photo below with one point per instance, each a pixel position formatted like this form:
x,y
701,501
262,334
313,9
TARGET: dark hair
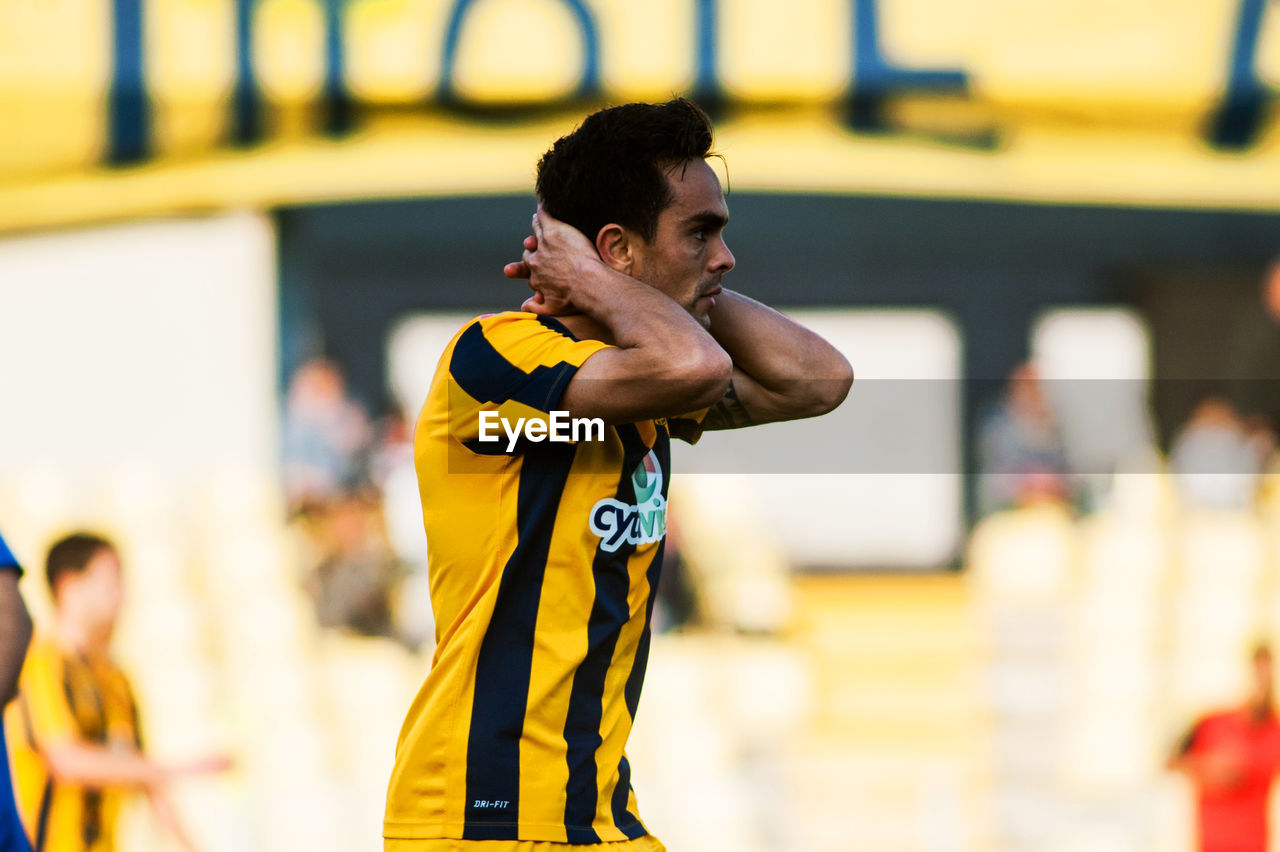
x,y
611,169
72,554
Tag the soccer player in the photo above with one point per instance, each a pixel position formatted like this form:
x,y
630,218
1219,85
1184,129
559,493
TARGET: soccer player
x,y
15,635
544,555
1232,758
73,731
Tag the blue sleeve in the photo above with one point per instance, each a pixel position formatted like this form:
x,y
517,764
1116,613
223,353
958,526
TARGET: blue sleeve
x,y
12,835
7,559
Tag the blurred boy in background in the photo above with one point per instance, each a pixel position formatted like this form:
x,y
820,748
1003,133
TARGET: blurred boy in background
x,y
1232,758
15,635
73,731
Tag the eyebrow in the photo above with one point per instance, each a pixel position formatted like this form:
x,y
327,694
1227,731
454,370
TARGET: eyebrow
x,y
707,219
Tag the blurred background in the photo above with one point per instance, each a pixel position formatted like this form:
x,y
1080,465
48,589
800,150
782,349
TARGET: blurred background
x,y
975,609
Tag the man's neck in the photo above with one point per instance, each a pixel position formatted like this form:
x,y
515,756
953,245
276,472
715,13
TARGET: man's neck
x,y
1260,708
77,638
584,327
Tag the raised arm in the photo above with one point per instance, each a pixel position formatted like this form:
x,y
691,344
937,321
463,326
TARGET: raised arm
x,y
87,764
91,765
782,370
50,727
96,766
662,361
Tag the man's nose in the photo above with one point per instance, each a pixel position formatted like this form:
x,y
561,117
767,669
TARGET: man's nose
x,y
724,260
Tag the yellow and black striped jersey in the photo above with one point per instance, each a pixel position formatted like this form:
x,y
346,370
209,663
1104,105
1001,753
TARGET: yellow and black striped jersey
x,y
65,697
544,559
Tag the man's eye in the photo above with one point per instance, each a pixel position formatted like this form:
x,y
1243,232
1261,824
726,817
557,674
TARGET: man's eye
x,y
700,236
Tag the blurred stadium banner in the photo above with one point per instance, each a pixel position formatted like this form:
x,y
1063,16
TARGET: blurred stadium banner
x,y
133,107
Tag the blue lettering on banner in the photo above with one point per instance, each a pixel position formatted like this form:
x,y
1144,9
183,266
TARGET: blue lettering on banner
x,y
589,82
706,82
1238,118
128,119
339,115
246,101
876,78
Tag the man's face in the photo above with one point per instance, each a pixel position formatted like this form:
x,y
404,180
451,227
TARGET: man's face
x,y
101,590
687,256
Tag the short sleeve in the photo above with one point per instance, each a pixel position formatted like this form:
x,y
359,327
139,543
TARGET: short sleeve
x,y
514,364
1187,742
43,694
687,427
7,559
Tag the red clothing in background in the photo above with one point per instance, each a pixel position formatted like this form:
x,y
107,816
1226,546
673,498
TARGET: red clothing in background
x,y
1232,796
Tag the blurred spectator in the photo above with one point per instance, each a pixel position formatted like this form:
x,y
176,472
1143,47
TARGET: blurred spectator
x,y
1254,358
15,635
1232,758
326,436
392,446
397,480
352,581
332,472
1216,460
1020,453
73,731
676,606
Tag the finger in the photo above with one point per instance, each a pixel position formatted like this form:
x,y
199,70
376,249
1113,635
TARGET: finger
x,y
518,269
531,243
534,307
564,235
537,225
547,220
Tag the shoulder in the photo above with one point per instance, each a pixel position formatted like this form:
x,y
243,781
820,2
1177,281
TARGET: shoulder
x,y
7,559
1219,722
44,645
510,326
494,342
1217,717
43,655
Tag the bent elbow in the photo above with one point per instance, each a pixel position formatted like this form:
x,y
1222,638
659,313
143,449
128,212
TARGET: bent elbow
x,y
708,372
840,385
826,394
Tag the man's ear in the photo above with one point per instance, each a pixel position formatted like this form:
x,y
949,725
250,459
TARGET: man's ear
x,y
616,246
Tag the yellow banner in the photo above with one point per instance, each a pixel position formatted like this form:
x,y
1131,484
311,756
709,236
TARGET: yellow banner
x,y
93,83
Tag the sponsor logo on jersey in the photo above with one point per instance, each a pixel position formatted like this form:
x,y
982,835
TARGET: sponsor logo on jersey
x,y
643,522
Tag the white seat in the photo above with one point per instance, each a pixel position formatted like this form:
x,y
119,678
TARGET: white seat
x,y
1219,550
1023,557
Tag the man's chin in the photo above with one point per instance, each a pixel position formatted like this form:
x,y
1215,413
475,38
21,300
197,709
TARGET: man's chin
x,y
700,310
